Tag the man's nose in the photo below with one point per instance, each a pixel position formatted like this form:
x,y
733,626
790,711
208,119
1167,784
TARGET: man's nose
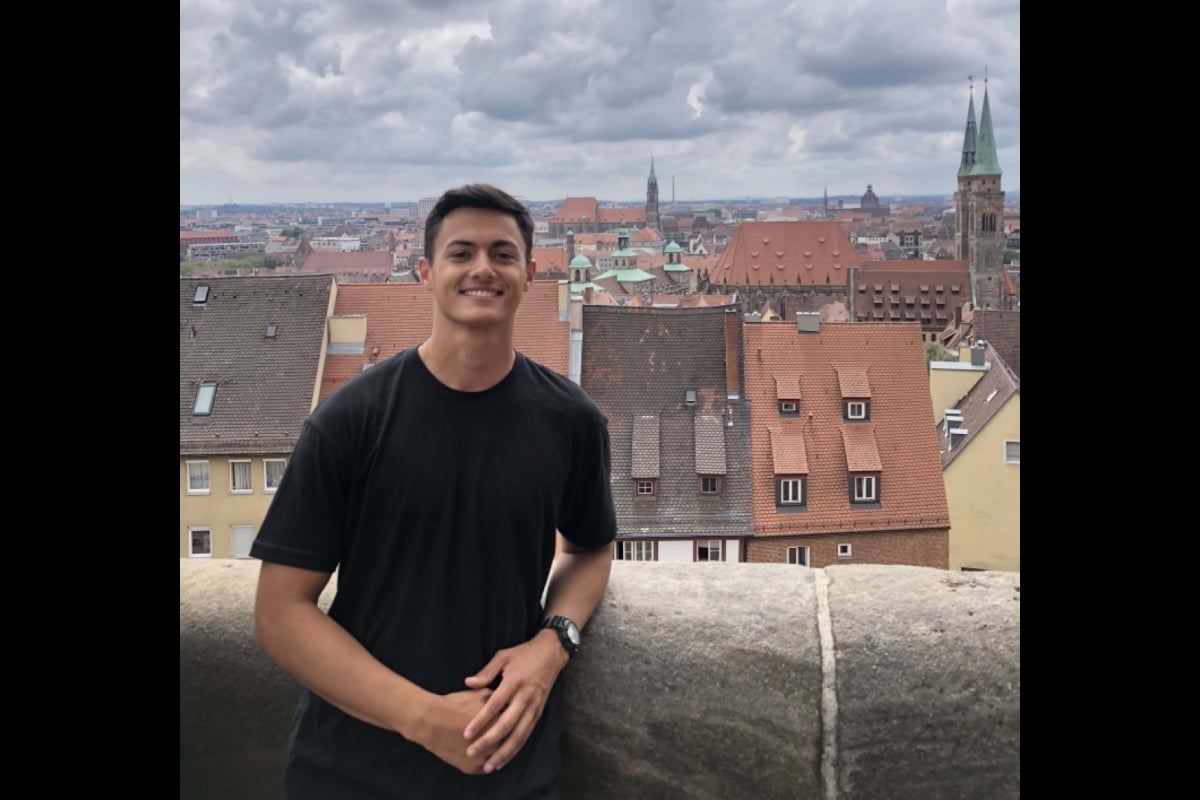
x,y
483,263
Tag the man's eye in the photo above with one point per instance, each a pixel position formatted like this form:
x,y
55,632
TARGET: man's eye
x,y
505,256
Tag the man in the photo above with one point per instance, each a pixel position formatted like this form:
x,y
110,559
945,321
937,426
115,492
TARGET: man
x,y
434,483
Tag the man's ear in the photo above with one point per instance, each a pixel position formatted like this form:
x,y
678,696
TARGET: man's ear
x,y
423,268
530,271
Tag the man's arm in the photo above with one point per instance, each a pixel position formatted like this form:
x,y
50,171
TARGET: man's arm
x,y
500,729
323,656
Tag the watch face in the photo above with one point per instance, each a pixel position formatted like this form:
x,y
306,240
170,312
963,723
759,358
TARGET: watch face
x,y
573,633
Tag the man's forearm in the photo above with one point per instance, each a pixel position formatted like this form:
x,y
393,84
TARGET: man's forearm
x,y
577,582
324,657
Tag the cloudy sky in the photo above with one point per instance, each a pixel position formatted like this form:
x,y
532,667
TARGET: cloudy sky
x,y
375,101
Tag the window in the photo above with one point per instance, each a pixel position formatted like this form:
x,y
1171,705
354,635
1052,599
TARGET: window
x,y
272,472
798,555
844,551
865,490
645,488
789,407
708,550
1012,451
199,543
197,474
635,551
790,491
205,393
710,484
239,477
856,409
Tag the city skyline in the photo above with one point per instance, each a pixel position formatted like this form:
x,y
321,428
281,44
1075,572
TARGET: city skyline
x,y
283,103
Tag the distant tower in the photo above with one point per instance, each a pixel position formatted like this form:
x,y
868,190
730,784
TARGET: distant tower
x,y
652,199
825,205
570,245
979,208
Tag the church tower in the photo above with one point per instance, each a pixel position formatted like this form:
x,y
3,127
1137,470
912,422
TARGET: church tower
x,y
652,199
979,208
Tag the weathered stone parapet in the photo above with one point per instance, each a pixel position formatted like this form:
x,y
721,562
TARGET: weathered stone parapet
x,y
696,681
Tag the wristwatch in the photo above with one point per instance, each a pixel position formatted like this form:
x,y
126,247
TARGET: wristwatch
x,y
568,633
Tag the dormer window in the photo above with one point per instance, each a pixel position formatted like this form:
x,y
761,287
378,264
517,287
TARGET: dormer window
x,y
790,491
857,409
864,489
789,407
646,488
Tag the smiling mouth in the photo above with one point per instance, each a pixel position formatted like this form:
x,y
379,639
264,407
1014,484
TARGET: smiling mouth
x,y
482,292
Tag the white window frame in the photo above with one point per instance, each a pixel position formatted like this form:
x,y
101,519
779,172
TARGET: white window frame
x,y
856,405
708,544
191,487
1008,448
716,482
249,475
641,550
789,407
798,555
784,485
866,489
268,487
192,532
645,488
845,551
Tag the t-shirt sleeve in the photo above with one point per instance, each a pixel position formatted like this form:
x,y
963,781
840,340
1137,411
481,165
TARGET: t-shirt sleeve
x,y
588,518
303,523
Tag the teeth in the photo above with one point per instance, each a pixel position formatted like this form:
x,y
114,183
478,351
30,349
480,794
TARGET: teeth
x,y
479,293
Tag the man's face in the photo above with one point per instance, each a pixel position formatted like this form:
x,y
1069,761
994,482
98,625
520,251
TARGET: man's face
x,y
477,272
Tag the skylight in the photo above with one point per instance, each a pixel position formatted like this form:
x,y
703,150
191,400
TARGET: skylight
x,y
201,296
206,392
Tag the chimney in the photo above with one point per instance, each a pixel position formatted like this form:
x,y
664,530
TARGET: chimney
x,y
808,322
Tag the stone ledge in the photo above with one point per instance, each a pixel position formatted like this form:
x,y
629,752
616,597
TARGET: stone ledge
x,y
696,681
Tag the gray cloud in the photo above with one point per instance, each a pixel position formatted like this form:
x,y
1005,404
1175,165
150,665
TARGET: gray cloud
x,y
377,100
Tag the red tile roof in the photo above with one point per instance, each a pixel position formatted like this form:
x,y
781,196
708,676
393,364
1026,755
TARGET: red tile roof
x,y
899,440
793,253
574,209
330,261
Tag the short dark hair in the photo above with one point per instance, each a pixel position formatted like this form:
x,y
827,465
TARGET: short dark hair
x,y
478,195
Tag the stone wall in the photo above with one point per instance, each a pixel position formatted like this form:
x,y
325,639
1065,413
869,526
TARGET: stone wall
x,y
696,682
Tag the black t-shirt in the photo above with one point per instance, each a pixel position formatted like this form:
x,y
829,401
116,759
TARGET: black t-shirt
x,y
438,509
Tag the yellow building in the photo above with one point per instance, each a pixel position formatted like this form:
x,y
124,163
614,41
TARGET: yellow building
x,y
977,402
251,353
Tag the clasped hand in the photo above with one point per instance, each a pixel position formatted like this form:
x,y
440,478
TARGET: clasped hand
x,y
480,729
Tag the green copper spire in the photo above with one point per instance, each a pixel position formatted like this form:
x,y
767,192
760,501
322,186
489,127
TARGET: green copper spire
x,y
652,178
968,151
986,162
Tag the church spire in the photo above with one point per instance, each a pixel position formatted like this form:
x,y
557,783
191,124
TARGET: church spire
x,y
653,219
986,162
969,137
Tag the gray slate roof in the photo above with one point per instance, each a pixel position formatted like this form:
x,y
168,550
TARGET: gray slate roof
x,y
637,365
266,385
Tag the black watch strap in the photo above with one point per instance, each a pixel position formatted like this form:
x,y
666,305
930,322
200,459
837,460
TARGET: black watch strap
x,y
568,633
